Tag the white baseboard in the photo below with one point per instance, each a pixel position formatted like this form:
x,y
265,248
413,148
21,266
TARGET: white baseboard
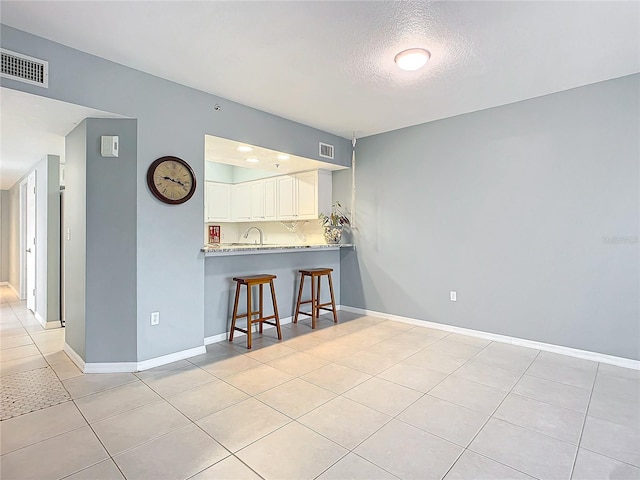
x,y
13,289
75,358
172,357
47,325
223,336
4,284
129,367
547,347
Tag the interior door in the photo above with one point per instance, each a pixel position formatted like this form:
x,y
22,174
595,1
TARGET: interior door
x,y
30,243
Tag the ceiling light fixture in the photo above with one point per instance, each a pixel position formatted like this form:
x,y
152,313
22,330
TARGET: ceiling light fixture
x,y
412,59
252,160
244,148
283,157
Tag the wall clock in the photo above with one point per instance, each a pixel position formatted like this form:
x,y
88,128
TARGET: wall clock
x,y
171,180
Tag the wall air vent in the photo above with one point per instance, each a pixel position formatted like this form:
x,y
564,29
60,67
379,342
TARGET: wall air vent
x,y
24,68
326,150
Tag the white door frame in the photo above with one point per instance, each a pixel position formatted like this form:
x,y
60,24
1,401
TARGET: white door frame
x,y
28,212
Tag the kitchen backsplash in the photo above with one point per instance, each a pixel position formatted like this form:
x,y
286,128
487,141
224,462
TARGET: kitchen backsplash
x,y
304,232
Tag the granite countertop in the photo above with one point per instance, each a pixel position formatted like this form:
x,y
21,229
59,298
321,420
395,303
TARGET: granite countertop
x,y
250,248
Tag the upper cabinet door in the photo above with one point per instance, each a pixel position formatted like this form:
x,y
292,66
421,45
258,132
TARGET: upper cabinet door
x,y
270,211
307,195
286,195
241,202
257,201
217,199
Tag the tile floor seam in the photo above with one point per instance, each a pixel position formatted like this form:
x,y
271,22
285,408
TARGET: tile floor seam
x,y
97,391
95,434
43,440
501,463
363,440
493,413
570,410
610,458
584,421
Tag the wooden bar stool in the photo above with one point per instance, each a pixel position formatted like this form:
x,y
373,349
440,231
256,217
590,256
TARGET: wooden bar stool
x,y
316,275
249,282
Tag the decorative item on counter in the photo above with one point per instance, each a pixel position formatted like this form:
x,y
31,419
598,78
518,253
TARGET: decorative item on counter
x,y
334,223
214,233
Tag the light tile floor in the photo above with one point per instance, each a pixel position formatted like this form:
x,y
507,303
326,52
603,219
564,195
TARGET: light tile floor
x,y
364,399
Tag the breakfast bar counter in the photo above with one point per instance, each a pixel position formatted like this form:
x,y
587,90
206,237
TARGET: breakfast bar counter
x,y
225,249
224,262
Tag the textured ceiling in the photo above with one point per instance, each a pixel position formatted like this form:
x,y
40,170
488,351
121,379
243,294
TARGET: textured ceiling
x,y
329,64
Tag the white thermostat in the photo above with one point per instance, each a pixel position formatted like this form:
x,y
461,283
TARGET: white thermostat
x,y
109,146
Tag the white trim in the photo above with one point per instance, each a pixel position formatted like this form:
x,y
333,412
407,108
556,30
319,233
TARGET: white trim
x,y
171,357
129,367
4,284
17,293
223,336
45,324
547,347
75,358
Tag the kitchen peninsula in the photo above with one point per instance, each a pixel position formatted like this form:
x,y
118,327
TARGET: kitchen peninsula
x,y
267,220
228,261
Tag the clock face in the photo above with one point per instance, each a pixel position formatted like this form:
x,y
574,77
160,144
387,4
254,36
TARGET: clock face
x,y
171,180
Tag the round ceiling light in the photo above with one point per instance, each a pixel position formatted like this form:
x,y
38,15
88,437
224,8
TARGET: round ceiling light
x,y
252,160
283,157
412,59
244,148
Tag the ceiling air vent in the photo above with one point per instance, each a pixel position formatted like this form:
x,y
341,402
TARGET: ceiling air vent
x,y
24,68
326,150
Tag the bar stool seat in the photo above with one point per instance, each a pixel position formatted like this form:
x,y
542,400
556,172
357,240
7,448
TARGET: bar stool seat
x,y
316,275
249,282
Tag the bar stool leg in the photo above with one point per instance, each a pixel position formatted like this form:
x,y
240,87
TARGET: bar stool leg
x,y
275,309
319,280
333,300
295,317
260,310
235,312
313,302
249,315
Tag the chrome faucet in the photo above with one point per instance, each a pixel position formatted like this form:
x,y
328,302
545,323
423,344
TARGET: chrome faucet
x,y
246,233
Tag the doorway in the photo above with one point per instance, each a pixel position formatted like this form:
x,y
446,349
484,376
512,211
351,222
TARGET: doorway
x,y
28,241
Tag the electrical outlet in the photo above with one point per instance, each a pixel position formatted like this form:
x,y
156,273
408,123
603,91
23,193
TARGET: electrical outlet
x,y
453,296
155,318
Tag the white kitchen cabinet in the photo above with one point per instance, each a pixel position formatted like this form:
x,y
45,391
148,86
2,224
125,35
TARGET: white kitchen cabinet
x,y
217,202
286,197
241,202
270,211
304,196
257,201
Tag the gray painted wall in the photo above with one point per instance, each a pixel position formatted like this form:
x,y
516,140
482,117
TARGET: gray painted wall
x,y
14,237
75,214
220,287
111,243
172,120
514,208
4,235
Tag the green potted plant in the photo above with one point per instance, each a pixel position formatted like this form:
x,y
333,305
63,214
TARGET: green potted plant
x,y
333,223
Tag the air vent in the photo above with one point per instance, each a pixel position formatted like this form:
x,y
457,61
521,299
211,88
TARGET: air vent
x,y
24,68
326,150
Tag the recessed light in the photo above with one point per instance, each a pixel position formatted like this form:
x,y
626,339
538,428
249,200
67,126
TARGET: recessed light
x,y
252,160
244,148
412,59
283,157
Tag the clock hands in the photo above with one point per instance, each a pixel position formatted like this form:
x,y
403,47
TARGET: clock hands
x,y
174,181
